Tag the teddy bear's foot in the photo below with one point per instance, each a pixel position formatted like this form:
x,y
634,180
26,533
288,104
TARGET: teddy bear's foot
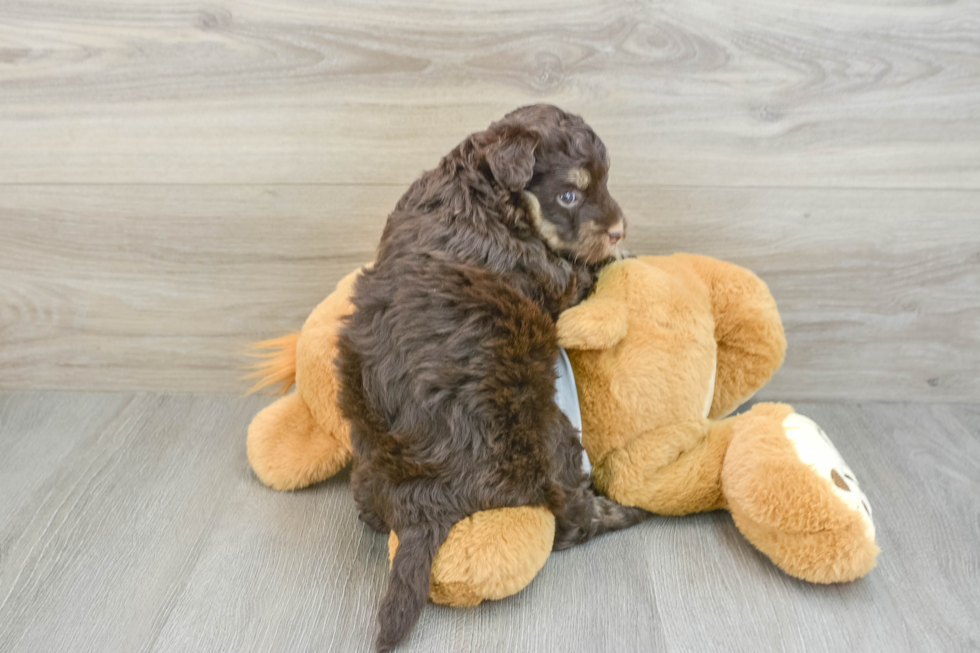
x,y
288,449
816,450
793,496
489,555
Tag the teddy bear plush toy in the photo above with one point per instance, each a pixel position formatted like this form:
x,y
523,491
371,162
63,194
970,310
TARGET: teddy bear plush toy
x,y
663,350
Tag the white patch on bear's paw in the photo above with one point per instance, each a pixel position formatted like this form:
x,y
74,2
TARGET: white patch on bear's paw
x,y
816,451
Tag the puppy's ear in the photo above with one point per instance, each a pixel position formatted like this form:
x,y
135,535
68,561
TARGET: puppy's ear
x,y
510,155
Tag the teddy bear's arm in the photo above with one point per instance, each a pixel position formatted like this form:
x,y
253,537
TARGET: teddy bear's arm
x,y
597,323
749,331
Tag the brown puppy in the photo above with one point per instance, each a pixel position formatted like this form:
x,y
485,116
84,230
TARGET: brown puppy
x,y
447,366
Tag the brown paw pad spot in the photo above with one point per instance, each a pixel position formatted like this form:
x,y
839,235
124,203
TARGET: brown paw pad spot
x,y
838,481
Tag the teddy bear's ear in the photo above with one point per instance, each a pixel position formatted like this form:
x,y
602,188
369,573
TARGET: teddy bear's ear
x,y
597,323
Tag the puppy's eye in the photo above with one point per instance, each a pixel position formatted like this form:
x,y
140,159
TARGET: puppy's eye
x,y
568,198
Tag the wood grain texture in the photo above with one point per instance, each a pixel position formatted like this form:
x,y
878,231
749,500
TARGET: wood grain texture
x,y
139,527
177,178
161,287
755,93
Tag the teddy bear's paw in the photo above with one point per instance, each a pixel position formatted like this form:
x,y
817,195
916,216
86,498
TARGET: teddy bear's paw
x,y
491,554
815,450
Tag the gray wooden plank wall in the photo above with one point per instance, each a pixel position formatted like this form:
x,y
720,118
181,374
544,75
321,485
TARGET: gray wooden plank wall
x,y
177,178
131,522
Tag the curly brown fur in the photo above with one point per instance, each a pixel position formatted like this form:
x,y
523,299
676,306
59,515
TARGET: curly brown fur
x,y
447,365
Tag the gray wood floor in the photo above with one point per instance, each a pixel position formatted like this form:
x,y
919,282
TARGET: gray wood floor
x,y
131,522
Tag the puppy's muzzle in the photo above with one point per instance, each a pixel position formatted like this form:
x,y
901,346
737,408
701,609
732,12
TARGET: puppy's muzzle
x,y
617,232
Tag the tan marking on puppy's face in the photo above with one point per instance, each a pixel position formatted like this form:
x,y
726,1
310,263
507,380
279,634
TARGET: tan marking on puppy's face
x,y
548,231
576,215
579,177
534,209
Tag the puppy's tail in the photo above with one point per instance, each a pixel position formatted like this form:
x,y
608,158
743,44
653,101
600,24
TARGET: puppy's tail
x,y
610,516
408,587
278,364
587,515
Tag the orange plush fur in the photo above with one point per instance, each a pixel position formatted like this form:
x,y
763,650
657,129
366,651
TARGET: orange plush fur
x,y
489,555
662,351
302,438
